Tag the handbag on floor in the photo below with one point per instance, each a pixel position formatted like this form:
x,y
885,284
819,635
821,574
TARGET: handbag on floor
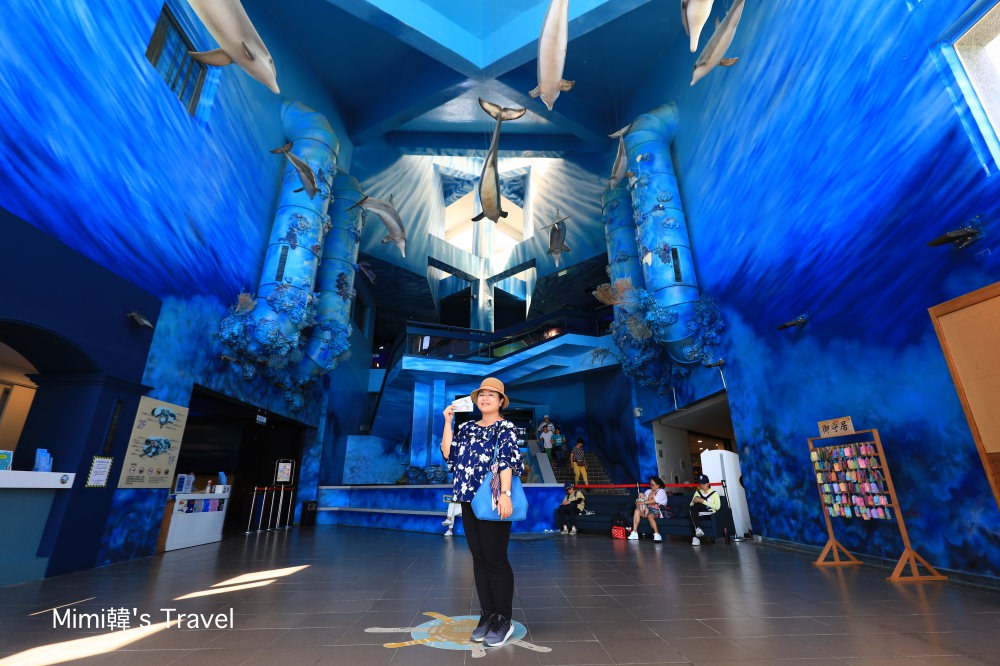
x,y
484,502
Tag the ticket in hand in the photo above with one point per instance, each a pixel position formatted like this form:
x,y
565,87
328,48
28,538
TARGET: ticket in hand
x,y
463,404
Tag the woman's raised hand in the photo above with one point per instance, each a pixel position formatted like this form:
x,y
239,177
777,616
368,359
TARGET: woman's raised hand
x,y
449,413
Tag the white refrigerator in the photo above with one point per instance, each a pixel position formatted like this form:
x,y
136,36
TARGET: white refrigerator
x,y
725,466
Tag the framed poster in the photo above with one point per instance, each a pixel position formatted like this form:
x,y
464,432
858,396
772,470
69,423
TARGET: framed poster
x,y
154,446
284,472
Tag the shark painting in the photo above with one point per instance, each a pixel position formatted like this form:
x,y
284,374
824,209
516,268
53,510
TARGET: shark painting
x,y
489,179
239,43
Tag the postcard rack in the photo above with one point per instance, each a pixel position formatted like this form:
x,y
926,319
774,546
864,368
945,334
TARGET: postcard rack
x,y
854,483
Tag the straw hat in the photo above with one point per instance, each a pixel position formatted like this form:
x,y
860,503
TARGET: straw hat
x,y
492,384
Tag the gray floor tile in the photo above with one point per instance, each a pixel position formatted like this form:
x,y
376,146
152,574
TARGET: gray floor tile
x,y
591,600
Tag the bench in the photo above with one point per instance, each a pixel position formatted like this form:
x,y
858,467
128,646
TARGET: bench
x,y
719,526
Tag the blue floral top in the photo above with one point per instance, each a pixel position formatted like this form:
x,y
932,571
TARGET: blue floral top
x,y
472,453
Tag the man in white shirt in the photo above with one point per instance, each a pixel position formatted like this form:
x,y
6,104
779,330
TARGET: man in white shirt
x,y
545,431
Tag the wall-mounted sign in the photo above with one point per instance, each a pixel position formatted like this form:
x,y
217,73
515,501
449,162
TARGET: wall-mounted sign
x,y
836,427
155,444
100,469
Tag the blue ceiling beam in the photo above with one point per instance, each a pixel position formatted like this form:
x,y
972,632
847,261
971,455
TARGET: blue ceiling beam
x,y
584,17
569,116
410,100
417,25
512,145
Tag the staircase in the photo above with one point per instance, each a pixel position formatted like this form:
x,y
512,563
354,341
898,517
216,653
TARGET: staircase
x,y
595,475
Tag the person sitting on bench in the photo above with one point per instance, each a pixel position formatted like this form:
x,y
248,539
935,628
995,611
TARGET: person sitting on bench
x,y
650,505
704,503
570,507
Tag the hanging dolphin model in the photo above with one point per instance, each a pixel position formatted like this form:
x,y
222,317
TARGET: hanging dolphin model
x,y
694,16
557,238
722,38
618,171
386,211
552,53
489,179
239,43
305,172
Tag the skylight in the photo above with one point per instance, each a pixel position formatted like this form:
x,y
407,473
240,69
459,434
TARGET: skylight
x,y
459,229
974,59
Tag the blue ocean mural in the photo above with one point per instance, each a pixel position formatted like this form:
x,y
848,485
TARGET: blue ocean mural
x,y
813,173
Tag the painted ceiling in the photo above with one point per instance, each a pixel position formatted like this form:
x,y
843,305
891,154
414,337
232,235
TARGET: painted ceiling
x,y
405,74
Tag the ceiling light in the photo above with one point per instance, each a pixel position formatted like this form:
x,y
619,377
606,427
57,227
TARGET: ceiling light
x,y
699,441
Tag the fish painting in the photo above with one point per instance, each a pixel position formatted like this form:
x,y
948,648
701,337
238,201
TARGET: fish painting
x,y
619,170
552,53
239,43
557,238
386,211
715,51
489,179
305,172
694,16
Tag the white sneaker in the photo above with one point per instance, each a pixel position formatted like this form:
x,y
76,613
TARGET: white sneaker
x,y
657,537
564,530
698,532
634,536
446,521
448,533
573,531
696,541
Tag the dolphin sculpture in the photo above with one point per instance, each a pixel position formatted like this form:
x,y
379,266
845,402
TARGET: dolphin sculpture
x,y
552,53
489,179
557,238
305,172
694,16
239,43
386,211
618,171
722,38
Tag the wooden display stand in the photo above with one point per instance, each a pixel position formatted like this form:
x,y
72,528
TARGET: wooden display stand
x,y
853,481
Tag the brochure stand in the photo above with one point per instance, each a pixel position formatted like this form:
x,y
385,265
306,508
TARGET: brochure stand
x,y
854,482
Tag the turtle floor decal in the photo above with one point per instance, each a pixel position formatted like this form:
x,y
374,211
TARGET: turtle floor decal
x,y
452,633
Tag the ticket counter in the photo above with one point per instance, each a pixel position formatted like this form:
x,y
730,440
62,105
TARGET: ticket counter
x,y
25,501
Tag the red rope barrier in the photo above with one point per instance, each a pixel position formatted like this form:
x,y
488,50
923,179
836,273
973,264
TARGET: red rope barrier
x,y
643,485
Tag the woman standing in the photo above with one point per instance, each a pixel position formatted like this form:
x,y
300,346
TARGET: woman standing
x,y
652,505
469,454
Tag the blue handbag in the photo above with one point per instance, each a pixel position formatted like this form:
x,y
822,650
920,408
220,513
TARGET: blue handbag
x,y
482,501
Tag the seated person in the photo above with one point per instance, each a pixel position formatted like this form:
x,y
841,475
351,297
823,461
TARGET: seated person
x,y
704,503
651,505
570,507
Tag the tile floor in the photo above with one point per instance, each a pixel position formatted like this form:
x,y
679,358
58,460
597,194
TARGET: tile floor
x,y
589,599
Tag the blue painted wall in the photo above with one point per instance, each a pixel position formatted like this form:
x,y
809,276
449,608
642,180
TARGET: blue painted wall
x,y
101,156
814,172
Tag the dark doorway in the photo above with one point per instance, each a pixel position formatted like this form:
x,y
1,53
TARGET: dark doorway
x,y
223,435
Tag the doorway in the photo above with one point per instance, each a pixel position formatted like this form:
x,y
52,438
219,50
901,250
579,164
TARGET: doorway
x,y
224,435
684,434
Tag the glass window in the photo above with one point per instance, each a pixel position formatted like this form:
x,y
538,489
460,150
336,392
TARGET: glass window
x,y
168,52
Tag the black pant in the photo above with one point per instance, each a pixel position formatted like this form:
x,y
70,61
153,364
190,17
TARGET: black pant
x,y
697,517
487,541
566,515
